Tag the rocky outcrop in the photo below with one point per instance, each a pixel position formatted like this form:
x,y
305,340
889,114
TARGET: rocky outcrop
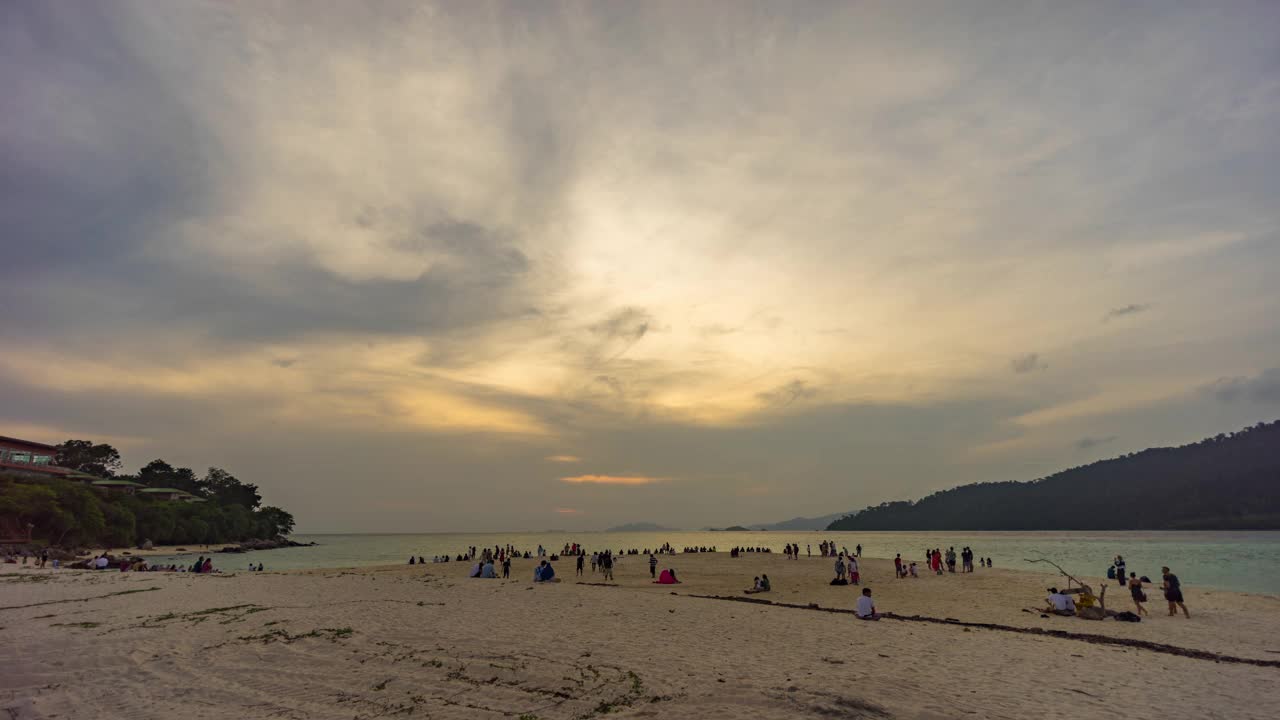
x,y
271,544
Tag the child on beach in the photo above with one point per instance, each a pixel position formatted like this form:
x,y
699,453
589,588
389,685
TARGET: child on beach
x,y
866,609
912,570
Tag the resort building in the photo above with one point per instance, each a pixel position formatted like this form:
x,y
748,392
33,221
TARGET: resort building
x,y
27,457
173,494
128,487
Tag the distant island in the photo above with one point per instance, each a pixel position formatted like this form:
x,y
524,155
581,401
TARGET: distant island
x,y
802,523
1227,482
639,527
731,528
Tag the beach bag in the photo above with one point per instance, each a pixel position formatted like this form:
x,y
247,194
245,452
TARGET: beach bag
x,y
1127,616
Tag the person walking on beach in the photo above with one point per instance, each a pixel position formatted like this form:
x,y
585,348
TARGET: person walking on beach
x,y
1135,591
581,562
606,561
840,568
653,566
1120,569
506,567
1173,593
859,550
853,570
808,551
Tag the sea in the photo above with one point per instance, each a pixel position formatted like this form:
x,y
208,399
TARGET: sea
x,y
1245,561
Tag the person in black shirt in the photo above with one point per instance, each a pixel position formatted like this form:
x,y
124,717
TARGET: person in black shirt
x,y
581,560
1173,593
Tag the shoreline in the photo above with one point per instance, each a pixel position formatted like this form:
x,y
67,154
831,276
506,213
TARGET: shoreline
x,y
427,640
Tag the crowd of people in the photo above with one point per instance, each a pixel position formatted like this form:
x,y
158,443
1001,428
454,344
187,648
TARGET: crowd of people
x,y
495,562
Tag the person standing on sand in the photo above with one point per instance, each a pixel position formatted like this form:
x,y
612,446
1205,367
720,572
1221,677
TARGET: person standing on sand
x,y
582,561
853,571
506,567
808,551
840,568
653,566
859,550
1120,568
1135,591
897,565
1173,593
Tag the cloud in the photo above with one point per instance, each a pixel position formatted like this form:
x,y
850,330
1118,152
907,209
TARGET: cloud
x,y
788,393
563,458
1086,443
568,511
611,480
1263,389
1131,309
1030,362
394,231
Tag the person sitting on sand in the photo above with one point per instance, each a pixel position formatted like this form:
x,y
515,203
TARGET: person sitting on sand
x,y
544,573
487,571
1060,603
755,586
667,577
765,585
866,609
475,570
912,570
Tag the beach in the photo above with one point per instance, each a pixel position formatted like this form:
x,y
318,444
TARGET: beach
x,y
427,641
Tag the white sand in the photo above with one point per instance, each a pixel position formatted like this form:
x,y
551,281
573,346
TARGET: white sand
x,y
425,641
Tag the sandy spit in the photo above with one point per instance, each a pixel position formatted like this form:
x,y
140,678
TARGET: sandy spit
x,y
425,641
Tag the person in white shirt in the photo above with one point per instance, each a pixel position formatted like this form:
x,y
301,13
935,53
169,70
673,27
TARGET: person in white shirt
x,y
101,563
1061,603
866,608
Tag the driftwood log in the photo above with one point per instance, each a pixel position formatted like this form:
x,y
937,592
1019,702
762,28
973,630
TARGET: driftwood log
x,y
1082,590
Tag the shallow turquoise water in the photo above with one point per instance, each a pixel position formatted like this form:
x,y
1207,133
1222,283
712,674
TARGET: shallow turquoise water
x,y
1246,561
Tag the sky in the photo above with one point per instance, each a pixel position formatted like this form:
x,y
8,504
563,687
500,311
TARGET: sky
x,y
416,267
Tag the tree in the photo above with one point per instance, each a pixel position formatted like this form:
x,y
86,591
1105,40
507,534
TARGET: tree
x,y
226,489
273,522
101,459
159,473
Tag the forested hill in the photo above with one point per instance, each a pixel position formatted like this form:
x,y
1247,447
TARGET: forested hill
x,y
1227,482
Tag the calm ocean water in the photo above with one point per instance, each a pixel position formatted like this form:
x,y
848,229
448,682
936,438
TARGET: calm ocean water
x,y
1244,561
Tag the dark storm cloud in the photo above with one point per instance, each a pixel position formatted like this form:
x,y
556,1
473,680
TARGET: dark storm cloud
x,y
1030,362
